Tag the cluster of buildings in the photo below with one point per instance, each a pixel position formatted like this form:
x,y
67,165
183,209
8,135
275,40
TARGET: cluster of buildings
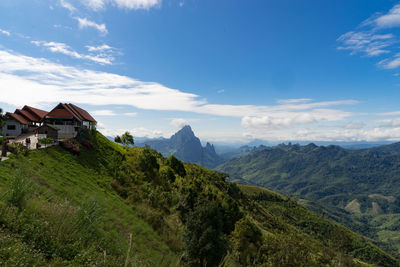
x,y
62,122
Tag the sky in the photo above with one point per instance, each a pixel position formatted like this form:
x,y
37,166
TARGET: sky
x,y
235,70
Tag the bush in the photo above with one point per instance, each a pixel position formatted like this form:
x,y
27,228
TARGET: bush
x,y
246,240
19,188
167,175
176,165
204,240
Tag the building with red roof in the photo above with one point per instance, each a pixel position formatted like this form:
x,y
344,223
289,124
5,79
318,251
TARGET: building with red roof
x,y
69,119
22,121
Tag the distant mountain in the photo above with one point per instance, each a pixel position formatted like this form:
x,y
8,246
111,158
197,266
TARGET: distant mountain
x,y
187,147
362,183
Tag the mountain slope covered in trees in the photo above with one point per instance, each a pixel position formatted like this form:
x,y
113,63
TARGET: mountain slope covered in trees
x,y
94,202
357,187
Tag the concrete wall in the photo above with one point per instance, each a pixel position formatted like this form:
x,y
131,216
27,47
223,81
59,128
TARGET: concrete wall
x,y
18,128
66,131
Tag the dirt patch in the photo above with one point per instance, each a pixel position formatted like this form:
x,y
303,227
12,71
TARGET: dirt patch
x,y
353,206
390,199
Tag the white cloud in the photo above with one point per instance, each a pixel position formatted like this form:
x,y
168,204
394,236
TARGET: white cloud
x,y
366,42
103,112
288,118
39,82
130,114
67,5
85,23
328,135
392,113
125,4
5,32
100,48
373,39
103,59
355,125
294,100
392,122
390,63
221,91
136,132
179,123
389,20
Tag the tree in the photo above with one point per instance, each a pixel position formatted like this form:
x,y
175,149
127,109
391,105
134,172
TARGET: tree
x,y
126,139
203,236
176,165
46,141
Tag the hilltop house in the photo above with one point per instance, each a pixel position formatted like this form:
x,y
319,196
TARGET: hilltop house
x,y
69,120
22,121
62,122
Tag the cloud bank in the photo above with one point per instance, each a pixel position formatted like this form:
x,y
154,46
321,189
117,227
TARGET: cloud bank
x,y
39,82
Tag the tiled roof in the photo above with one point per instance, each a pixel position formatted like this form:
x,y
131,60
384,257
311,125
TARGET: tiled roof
x,y
60,113
70,111
83,113
26,115
37,112
19,118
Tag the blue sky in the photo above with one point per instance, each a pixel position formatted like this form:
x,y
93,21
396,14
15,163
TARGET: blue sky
x,y
234,70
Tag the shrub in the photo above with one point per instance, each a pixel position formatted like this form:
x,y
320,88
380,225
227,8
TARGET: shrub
x,y
167,175
46,141
176,165
203,236
19,188
246,239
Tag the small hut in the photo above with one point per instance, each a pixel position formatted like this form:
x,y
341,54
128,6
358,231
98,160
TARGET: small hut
x,y
45,131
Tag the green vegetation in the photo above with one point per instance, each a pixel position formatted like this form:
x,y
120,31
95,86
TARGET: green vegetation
x,y
126,139
357,188
46,141
112,205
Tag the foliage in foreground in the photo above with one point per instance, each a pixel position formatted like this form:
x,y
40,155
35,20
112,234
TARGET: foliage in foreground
x,y
81,209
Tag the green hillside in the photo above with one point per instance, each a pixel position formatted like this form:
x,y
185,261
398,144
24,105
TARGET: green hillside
x,y
358,188
79,205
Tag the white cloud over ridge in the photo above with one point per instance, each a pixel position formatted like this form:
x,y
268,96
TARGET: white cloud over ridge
x,y
40,82
179,123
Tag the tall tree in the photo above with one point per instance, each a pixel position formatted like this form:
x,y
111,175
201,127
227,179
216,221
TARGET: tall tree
x,y
126,139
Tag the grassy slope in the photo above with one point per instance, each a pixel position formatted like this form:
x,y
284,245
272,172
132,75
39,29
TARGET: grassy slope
x,y
59,177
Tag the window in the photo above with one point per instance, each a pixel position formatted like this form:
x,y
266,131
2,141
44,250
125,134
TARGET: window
x,y
11,127
59,123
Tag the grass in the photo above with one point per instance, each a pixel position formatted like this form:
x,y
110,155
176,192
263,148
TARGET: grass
x,y
61,177
116,206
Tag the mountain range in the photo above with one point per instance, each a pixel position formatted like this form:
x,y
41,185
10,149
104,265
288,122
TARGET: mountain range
x,y
357,187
